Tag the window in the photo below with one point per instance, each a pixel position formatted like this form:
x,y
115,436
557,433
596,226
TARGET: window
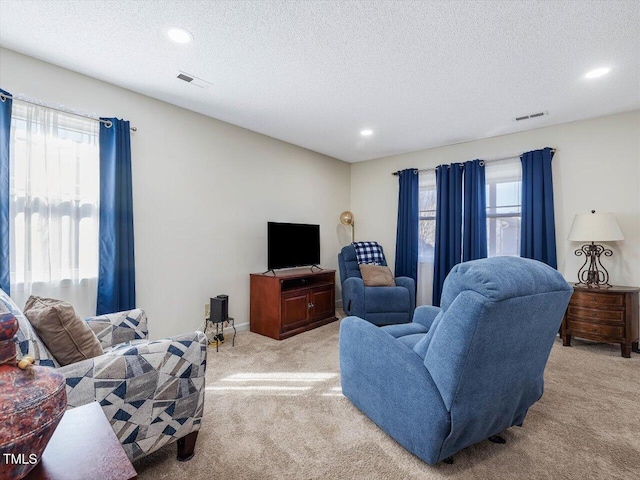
x,y
503,190
504,187
427,241
54,194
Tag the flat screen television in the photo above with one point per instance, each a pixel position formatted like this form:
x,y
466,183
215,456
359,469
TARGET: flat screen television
x,y
292,245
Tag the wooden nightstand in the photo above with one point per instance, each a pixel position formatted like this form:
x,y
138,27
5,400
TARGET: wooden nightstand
x,y
608,315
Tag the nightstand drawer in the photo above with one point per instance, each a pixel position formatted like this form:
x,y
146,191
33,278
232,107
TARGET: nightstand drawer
x,y
594,330
594,315
595,299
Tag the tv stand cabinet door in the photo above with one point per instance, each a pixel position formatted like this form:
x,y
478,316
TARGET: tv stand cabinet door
x,y
295,309
323,301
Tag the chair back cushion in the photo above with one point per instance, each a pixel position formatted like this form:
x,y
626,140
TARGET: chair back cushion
x,y
488,351
348,263
29,344
499,278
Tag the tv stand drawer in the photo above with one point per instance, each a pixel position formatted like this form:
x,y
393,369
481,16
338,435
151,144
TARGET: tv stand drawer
x,y
306,282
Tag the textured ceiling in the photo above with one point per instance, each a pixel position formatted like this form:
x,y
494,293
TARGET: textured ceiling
x,y
314,73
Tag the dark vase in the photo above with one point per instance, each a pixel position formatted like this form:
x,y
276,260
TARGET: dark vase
x,y
32,402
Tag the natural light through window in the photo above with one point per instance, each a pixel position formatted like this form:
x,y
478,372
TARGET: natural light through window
x,y
279,383
54,195
503,190
280,377
427,240
260,388
504,186
334,392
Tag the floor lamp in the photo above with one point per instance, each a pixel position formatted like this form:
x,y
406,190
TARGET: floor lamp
x,y
346,218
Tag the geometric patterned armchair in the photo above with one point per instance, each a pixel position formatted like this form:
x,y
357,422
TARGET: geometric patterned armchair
x,y
152,392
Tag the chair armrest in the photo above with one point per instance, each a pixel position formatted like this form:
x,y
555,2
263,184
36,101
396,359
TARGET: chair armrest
x,y
115,328
353,296
138,359
148,390
364,346
388,381
190,346
425,315
410,285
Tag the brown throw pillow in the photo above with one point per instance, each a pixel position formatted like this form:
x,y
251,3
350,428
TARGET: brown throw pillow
x,y
65,334
376,276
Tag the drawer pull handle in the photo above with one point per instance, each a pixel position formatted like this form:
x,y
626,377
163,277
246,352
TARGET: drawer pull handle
x,y
594,299
593,314
594,329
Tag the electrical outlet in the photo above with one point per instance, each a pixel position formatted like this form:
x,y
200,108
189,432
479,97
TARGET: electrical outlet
x,y
207,310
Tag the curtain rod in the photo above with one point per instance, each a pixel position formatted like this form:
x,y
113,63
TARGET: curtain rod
x,y
106,122
517,155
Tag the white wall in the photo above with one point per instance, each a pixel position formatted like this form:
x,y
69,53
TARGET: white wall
x,y
204,190
596,167
203,193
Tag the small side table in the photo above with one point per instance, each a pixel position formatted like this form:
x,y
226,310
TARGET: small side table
x,y
229,321
608,315
84,446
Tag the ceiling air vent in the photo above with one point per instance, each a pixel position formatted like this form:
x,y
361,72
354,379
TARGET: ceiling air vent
x,y
533,115
193,80
186,78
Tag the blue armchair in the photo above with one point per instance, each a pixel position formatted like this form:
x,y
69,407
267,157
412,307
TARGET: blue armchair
x,y
461,374
378,305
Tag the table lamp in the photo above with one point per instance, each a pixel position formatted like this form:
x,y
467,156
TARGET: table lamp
x,y
594,227
346,218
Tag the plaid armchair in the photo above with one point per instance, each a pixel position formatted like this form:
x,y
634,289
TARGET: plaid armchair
x,y
152,392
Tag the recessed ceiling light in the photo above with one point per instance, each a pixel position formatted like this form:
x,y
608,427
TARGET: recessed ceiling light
x,y
366,132
598,72
179,35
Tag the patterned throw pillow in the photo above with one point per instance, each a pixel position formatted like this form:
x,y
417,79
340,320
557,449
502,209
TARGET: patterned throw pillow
x,y
369,253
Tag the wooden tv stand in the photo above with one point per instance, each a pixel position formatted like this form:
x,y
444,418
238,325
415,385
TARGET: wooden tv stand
x,y
289,302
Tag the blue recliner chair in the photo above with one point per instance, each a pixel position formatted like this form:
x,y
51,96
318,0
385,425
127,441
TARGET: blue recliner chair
x,y
464,373
378,305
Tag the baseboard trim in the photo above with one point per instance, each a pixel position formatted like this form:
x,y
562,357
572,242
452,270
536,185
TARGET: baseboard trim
x,y
227,330
241,326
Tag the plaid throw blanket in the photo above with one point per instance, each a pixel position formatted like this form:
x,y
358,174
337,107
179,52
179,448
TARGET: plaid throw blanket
x,y
369,252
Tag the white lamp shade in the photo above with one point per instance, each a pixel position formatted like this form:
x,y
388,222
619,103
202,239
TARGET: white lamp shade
x,y
595,227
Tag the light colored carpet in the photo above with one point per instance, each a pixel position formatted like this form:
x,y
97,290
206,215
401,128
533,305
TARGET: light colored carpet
x,y
273,410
